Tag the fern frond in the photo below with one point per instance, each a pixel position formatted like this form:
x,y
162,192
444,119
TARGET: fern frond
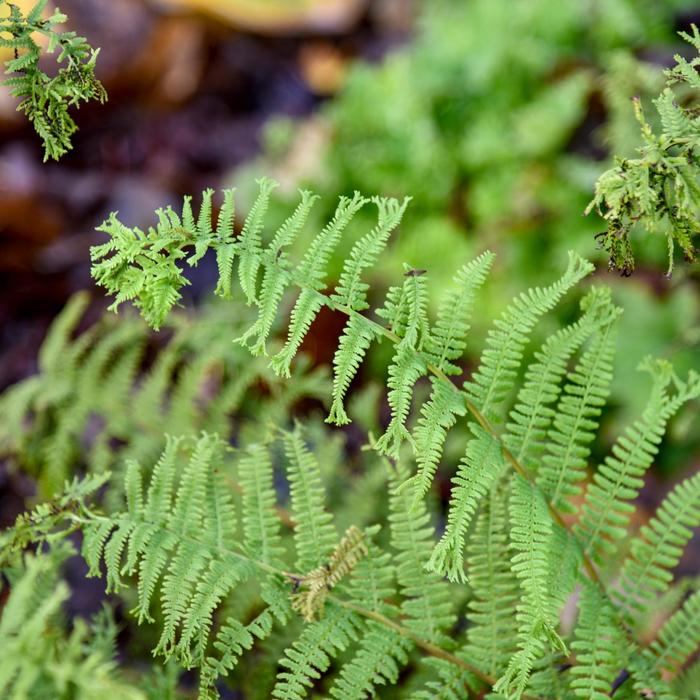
x,y
646,572
234,638
599,644
438,414
378,662
312,653
357,336
502,356
679,638
41,660
576,419
404,371
532,415
427,605
607,506
261,526
351,291
445,345
531,538
276,276
492,633
479,470
311,272
314,533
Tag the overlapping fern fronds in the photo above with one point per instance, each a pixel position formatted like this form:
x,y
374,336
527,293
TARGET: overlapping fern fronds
x,y
180,540
356,610
39,659
109,392
45,99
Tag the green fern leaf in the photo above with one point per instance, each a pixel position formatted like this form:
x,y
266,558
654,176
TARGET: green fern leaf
x,y
427,604
577,413
679,638
599,645
501,359
607,506
532,415
312,653
479,470
314,533
646,573
250,245
261,526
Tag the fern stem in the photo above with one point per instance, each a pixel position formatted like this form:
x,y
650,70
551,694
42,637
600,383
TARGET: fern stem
x,y
486,425
428,647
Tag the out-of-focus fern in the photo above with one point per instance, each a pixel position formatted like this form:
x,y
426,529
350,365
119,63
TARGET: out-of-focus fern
x,y
110,393
39,659
659,190
46,99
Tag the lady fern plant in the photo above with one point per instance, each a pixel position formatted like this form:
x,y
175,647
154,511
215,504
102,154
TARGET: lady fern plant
x,y
233,551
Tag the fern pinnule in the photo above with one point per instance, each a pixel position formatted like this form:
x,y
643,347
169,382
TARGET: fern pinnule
x,y
261,525
311,273
427,606
351,290
234,638
378,661
493,630
437,415
573,427
531,539
250,242
600,646
404,371
276,276
501,358
315,536
312,653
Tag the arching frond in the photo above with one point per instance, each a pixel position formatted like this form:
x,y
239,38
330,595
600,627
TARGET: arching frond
x,y
531,539
427,606
679,638
532,415
314,533
493,630
312,653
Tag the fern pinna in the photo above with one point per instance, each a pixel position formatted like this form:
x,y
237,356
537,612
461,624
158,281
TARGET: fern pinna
x,y
481,598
